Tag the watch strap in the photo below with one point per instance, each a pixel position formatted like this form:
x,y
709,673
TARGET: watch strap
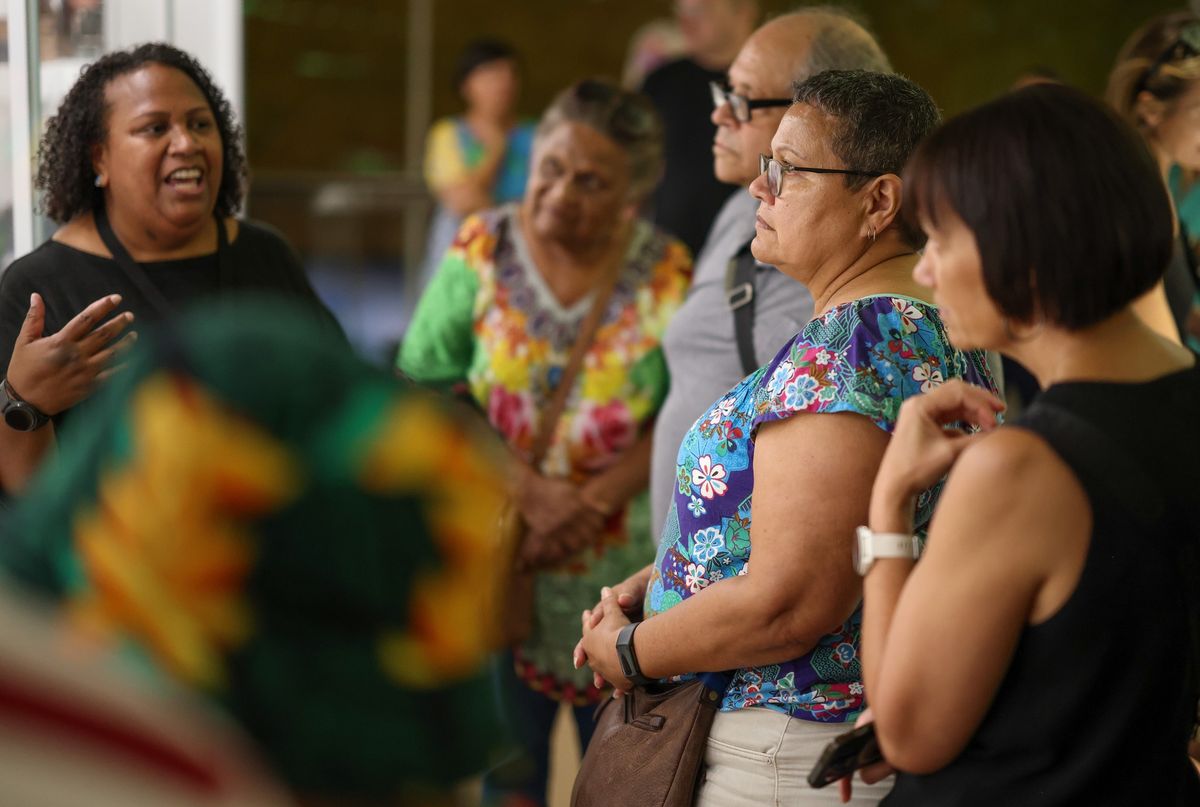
x,y
13,401
893,545
627,656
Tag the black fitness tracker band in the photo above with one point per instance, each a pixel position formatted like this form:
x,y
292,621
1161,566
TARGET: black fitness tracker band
x,y
628,658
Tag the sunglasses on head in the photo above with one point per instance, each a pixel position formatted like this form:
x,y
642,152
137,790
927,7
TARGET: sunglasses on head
x,y
1184,46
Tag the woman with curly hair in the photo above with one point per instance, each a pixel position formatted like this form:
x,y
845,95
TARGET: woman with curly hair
x,y
143,169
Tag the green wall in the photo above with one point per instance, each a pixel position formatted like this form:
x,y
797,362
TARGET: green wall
x,y
324,78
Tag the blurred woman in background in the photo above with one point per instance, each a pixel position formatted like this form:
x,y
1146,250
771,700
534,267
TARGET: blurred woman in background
x,y
480,158
1155,85
502,315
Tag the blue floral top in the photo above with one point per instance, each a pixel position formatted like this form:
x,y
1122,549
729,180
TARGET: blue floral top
x,y
865,356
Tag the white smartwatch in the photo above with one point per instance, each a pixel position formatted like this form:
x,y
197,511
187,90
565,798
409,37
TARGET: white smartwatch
x,y
871,546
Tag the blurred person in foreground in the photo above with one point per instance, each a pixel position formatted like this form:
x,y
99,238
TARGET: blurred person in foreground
x,y
480,158
311,556
1155,85
143,168
689,196
740,311
1062,560
502,316
753,574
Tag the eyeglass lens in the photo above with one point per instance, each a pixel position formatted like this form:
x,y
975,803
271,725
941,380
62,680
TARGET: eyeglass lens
x,y
737,104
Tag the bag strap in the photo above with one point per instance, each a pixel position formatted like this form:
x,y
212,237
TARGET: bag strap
x,y
583,342
134,272
739,295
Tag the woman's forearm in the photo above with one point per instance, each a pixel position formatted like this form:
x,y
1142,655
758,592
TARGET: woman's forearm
x,y
473,191
891,511
21,453
726,627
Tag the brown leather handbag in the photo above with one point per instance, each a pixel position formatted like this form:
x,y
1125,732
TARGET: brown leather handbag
x,y
648,746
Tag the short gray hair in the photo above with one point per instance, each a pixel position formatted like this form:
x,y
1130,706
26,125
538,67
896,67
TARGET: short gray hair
x,y
841,41
878,120
627,118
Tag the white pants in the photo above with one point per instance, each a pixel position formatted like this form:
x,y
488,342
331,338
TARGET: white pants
x,y
758,756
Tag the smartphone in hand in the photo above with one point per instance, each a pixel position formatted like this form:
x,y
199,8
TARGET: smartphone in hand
x,y
845,754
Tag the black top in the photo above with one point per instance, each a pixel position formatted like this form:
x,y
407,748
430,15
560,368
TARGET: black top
x,y
1099,701
689,196
69,280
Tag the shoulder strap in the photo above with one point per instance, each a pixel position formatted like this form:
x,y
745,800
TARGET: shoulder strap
x,y
133,270
739,294
587,333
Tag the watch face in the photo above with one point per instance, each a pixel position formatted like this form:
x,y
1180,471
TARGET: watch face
x,y
19,418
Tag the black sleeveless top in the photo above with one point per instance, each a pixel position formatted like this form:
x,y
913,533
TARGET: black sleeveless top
x,y
1099,701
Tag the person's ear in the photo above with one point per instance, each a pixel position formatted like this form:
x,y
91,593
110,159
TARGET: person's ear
x,y
100,164
1148,110
881,204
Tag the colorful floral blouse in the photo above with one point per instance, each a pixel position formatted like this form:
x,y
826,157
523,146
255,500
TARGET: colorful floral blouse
x,y
489,318
866,356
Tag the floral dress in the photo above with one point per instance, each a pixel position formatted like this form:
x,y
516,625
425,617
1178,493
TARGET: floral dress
x,y
866,357
488,318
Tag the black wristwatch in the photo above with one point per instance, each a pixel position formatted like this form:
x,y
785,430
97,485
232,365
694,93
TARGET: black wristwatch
x,y
628,658
19,414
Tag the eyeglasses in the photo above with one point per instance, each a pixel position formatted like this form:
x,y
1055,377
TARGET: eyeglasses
x,y
740,105
1187,44
775,171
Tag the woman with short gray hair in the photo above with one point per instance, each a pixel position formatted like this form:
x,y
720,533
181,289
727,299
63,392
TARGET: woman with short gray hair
x,y
780,469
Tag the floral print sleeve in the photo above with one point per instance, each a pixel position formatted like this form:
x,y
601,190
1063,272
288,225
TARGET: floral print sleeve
x,y
865,357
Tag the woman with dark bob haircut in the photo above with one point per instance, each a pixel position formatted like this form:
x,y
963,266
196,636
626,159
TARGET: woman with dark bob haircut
x,y
143,168
1043,650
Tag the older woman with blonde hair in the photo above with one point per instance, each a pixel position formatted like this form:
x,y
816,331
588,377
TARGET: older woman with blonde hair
x,y
1155,86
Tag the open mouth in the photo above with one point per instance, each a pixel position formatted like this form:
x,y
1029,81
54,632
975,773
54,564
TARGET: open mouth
x,y
185,178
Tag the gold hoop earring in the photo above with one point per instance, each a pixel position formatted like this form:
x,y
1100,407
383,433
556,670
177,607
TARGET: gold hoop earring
x,y
871,232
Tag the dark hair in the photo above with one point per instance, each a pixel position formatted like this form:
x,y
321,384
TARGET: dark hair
x,y
627,118
1066,204
65,171
478,53
878,120
1147,61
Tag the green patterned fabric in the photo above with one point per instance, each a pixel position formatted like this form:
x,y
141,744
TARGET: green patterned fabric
x,y
253,511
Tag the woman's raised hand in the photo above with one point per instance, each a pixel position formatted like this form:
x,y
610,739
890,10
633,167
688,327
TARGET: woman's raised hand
x,y
56,372
922,449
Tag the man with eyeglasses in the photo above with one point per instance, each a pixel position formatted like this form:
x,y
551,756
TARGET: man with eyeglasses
x,y
689,196
738,312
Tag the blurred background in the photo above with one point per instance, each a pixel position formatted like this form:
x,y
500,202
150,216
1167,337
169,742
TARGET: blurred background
x,y
336,97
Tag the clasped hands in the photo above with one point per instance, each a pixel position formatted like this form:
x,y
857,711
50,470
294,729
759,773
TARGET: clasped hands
x,y
562,518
